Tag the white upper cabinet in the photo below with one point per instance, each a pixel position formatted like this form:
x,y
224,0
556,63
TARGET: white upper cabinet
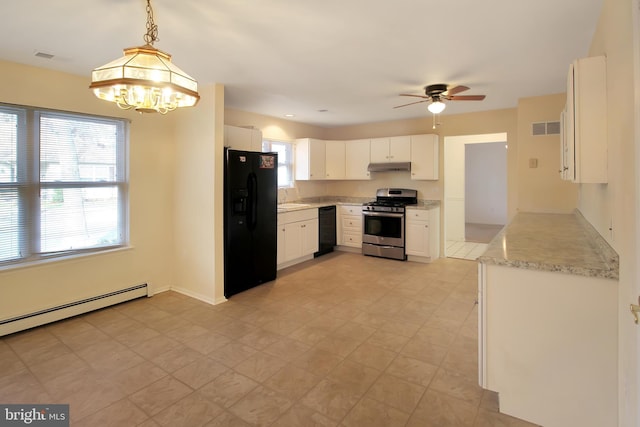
x,y
424,157
335,160
349,160
393,149
400,149
583,153
379,150
357,159
310,159
239,138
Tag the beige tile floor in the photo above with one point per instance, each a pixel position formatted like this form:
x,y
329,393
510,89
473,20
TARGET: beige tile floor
x,y
344,340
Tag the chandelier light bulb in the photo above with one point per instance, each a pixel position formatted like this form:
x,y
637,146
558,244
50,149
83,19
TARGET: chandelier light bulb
x,y
436,107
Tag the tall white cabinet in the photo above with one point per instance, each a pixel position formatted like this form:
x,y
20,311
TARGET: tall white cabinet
x,y
583,153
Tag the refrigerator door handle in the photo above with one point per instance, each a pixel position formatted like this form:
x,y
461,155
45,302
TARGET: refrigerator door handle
x,y
252,205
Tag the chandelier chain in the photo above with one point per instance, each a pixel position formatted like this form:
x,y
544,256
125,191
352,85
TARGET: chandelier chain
x,y
152,29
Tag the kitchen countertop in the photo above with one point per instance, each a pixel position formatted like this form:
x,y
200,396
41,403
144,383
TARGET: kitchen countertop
x,y
425,204
315,203
564,243
318,202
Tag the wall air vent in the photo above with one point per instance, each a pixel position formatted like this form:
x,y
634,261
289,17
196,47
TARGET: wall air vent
x,y
553,128
545,128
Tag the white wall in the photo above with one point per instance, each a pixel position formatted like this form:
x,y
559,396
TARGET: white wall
x,y
198,198
486,183
615,205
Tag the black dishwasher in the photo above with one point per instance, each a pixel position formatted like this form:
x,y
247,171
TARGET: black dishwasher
x,y
326,230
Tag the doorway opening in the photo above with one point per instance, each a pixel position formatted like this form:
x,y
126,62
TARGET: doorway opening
x,y
475,192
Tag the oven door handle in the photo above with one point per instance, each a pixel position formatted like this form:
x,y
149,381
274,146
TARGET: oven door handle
x,y
385,214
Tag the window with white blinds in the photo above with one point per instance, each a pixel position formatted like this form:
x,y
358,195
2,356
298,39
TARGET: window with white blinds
x,y
285,160
63,183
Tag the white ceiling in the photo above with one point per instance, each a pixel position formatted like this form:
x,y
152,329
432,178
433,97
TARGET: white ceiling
x,y
350,57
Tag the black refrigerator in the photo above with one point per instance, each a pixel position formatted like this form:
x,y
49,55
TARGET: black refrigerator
x,y
250,219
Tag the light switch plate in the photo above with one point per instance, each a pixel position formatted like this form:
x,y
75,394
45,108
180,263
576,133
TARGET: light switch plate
x,y
533,163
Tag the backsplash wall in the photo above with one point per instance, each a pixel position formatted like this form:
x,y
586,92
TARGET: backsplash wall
x,y
428,190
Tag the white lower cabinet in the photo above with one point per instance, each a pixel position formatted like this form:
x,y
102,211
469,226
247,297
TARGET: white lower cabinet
x,y
350,226
548,345
297,236
422,231
309,237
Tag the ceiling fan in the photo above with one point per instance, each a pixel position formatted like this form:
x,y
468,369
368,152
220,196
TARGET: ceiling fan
x,y
437,93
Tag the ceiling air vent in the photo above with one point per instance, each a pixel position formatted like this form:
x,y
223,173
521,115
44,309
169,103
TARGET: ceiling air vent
x,y
545,128
44,55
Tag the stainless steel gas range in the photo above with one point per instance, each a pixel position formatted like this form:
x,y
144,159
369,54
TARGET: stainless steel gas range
x,y
383,233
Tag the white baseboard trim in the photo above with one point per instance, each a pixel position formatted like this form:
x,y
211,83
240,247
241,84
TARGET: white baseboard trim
x,y
198,296
74,308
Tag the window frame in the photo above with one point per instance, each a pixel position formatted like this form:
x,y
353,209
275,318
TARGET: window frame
x,y
29,185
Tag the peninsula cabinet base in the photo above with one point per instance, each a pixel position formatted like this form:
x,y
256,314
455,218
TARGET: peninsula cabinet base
x,y
548,345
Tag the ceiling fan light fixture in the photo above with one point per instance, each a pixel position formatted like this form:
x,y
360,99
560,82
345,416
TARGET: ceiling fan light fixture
x,y
436,107
145,79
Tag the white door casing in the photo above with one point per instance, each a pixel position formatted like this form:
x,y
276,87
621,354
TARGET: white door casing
x,y
630,375
454,178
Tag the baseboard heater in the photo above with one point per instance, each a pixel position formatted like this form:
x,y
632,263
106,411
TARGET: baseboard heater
x,y
31,320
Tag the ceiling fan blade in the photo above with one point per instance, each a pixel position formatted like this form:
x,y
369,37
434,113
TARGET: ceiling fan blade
x,y
418,96
456,89
411,103
466,98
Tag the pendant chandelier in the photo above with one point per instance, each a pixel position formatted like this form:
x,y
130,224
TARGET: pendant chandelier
x,y
145,79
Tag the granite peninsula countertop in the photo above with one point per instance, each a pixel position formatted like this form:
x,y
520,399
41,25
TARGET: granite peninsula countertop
x,y
564,243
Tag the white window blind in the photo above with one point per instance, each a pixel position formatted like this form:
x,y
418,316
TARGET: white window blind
x,y
63,183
